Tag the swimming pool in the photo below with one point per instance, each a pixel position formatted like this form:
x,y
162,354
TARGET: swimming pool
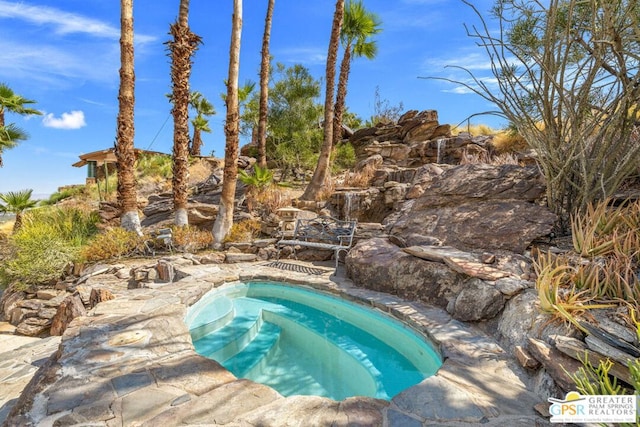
x,y
302,341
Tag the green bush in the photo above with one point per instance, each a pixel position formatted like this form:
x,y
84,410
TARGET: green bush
x,y
38,255
64,194
49,239
155,165
345,157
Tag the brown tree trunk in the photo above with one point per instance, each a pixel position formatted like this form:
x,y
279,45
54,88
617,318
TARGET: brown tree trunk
x,y
125,155
196,144
264,88
182,47
321,176
341,97
224,219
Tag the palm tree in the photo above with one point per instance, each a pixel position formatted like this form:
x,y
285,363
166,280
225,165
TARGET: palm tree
x,y
321,175
264,87
16,202
182,48
9,101
224,219
200,123
125,155
358,26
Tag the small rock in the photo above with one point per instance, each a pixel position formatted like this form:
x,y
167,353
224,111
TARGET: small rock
x,y
213,258
525,359
233,257
47,294
99,295
488,258
70,308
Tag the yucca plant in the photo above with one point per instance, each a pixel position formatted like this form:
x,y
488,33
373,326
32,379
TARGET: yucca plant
x,y
594,231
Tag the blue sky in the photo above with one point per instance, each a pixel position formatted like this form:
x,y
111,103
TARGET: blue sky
x,y
65,55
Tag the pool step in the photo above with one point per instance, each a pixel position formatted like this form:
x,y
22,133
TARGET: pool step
x,y
254,352
231,338
215,316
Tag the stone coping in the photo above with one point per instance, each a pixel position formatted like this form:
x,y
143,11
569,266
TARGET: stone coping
x,y
131,362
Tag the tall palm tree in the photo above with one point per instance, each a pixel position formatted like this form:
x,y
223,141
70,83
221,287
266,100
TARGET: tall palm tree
x,y
321,175
224,219
125,155
16,202
358,26
11,102
264,87
200,123
182,48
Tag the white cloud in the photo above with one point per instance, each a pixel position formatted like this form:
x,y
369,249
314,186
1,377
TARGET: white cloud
x,y
303,55
63,22
72,120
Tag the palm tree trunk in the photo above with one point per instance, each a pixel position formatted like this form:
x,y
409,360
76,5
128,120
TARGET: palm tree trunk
x,y
125,155
196,143
341,97
182,48
321,175
264,88
224,219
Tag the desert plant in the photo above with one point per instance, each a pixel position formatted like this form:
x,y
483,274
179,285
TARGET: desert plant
x,y
570,65
361,178
37,255
64,193
244,231
259,179
113,243
557,293
191,239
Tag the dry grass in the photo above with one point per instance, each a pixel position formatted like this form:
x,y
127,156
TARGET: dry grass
x,y
485,157
507,142
6,227
360,179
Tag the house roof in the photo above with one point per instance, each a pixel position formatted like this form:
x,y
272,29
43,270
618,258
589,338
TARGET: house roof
x,y
107,156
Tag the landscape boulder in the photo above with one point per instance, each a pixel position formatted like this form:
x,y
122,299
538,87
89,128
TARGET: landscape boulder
x,y
478,206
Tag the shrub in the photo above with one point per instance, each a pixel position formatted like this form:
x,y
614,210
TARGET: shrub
x,y
65,193
191,239
244,231
49,239
113,243
345,157
37,255
154,165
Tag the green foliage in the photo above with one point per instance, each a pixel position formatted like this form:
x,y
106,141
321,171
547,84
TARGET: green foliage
x,y
156,165
17,201
73,225
294,135
47,242
65,193
37,255
259,179
344,157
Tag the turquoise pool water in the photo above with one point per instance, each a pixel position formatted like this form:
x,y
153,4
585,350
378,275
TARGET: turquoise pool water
x,y
301,341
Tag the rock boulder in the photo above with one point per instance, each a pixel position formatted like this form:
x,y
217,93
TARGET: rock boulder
x,y
479,206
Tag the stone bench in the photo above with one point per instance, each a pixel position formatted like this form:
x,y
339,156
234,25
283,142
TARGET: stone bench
x,y
321,233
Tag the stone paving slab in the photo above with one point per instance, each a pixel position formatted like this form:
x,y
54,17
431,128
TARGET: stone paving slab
x,y
131,362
